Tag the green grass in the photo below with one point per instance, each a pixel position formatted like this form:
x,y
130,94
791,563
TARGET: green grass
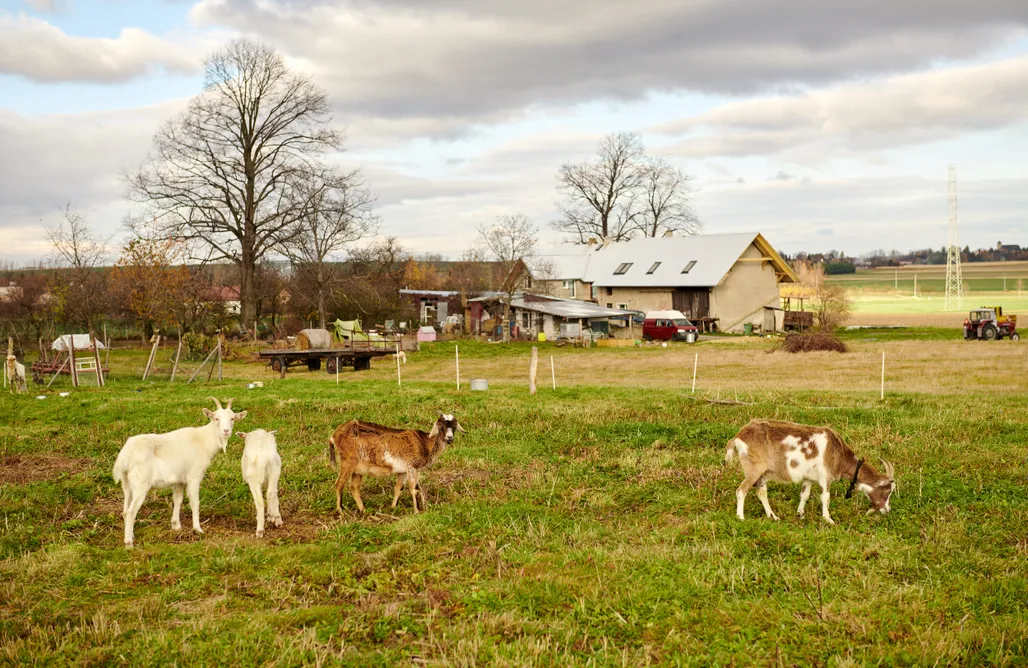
x,y
589,524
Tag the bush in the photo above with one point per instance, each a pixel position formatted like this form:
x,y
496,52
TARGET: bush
x,y
839,267
805,343
197,347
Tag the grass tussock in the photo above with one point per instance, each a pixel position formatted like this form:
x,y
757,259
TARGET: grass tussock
x,y
809,343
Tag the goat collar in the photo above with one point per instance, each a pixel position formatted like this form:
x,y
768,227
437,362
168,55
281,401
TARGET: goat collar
x,y
853,483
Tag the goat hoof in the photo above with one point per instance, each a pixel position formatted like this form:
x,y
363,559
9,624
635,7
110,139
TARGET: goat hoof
x,y
830,521
260,534
775,518
277,521
176,526
197,529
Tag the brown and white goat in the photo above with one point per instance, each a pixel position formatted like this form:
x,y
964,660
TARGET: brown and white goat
x,y
789,452
366,448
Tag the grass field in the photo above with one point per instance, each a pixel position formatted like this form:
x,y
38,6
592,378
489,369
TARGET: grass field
x,y
591,525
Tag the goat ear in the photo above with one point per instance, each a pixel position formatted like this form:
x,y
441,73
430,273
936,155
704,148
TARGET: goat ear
x,y
241,434
460,428
273,431
435,430
209,414
239,416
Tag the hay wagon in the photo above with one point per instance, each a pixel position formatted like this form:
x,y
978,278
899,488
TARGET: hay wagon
x,y
355,353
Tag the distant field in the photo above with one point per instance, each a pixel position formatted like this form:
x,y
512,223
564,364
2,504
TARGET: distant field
x,y
977,277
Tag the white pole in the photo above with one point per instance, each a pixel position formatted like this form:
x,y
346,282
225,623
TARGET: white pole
x,y
883,375
915,285
399,382
695,363
456,354
337,370
553,373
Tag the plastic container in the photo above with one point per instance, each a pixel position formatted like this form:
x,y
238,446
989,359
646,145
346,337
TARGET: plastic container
x,y
479,384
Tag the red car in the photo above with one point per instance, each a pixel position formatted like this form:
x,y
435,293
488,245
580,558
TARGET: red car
x,y
668,326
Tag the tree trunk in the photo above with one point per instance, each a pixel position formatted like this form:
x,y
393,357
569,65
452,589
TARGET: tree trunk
x,y
321,296
247,298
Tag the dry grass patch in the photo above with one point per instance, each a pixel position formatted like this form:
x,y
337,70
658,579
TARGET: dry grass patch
x,y
23,469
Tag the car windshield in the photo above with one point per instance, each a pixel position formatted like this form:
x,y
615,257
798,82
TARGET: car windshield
x,y
682,322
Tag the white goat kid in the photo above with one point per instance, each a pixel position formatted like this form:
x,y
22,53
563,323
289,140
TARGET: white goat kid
x,y
16,374
262,466
176,459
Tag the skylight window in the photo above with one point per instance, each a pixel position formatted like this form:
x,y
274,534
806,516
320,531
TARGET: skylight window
x,y
623,268
653,268
688,267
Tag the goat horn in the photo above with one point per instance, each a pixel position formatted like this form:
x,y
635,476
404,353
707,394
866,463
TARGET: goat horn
x,y
889,471
216,402
229,404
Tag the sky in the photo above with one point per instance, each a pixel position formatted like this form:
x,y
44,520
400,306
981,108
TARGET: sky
x,y
822,125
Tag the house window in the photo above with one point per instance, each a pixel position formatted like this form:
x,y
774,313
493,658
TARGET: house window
x,y
573,290
623,307
622,268
564,284
688,267
610,291
653,268
594,292
610,305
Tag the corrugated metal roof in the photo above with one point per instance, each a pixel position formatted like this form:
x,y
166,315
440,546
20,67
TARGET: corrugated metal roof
x,y
569,308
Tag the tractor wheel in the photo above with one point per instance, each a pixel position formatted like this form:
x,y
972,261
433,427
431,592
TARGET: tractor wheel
x,y
990,333
1015,336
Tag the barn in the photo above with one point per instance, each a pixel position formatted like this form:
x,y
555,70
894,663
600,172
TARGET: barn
x,y
722,281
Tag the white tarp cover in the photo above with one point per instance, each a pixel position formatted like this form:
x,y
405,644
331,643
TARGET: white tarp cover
x,y
81,342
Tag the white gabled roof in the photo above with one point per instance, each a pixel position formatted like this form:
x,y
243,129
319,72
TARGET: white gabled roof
x,y
713,254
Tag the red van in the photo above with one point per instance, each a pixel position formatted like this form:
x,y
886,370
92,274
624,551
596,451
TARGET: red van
x,y
668,326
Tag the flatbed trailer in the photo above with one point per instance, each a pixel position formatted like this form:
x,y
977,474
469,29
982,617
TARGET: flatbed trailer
x,y
357,354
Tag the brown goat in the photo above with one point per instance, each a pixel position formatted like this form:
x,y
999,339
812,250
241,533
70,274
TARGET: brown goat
x,y
366,448
797,453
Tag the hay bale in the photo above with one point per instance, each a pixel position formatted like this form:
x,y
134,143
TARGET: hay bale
x,y
806,343
314,339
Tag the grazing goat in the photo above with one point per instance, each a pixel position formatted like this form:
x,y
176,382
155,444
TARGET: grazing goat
x,y
176,459
796,453
365,448
262,466
16,374
402,356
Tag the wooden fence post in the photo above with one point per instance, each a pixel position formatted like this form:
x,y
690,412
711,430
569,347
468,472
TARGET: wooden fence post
x,y
96,360
533,369
178,353
71,358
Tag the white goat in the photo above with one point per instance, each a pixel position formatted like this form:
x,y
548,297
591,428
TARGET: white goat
x,y
262,466
16,374
798,453
177,459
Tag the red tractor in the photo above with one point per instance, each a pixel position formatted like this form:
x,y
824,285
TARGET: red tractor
x,y
989,323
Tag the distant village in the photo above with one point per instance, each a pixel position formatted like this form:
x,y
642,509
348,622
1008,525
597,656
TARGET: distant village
x,y
836,262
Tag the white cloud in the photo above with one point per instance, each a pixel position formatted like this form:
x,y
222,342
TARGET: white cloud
x,y
901,110
32,48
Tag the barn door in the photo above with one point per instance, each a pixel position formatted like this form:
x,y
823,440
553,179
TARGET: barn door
x,y
694,303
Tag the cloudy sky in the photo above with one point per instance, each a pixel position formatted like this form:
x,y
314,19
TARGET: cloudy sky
x,y
824,125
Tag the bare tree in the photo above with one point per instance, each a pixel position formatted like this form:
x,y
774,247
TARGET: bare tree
x,y
510,243
338,213
663,201
229,171
80,284
598,194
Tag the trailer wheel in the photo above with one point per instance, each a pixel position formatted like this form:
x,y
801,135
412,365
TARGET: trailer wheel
x,y
361,363
330,365
277,363
313,364
989,332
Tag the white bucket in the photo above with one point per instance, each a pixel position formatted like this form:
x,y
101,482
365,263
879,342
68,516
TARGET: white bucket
x,y
479,384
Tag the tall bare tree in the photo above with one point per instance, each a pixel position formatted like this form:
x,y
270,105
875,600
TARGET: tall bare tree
x,y
598,193
338,213
663,201
80,284
229,171
510,243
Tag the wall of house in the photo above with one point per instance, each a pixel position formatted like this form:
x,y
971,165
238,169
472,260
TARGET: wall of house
x,y
745,291
635,299
575,289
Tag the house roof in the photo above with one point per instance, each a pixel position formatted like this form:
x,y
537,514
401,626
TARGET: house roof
x,y
660,261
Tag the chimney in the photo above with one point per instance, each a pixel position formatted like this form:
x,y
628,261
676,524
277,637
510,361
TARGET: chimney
x,y
606,241
592,241
669,233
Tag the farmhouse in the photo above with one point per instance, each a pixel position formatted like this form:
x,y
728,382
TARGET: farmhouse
x,y
722,280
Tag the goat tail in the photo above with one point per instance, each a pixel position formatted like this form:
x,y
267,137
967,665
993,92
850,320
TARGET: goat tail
x,y
332,450
730,452
120,467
